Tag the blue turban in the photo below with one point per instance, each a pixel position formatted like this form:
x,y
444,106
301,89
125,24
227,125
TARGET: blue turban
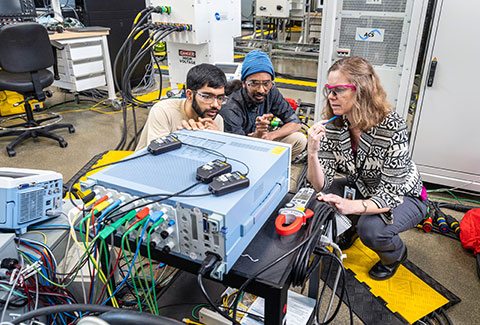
x,y
257,61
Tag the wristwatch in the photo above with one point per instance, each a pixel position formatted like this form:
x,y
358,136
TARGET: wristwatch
x,y
365,206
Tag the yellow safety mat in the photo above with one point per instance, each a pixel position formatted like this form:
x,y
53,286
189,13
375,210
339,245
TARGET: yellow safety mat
x,y
109,157
404,293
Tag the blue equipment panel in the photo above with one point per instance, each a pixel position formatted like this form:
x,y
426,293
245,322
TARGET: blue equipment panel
x,y
236,216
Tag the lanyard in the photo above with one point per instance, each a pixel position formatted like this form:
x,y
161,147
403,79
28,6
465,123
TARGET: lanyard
x,y
252,116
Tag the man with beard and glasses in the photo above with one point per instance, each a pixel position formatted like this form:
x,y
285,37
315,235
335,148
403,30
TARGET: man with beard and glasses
x,y
250,109
205,95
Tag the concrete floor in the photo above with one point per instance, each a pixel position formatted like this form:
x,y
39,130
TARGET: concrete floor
x,y
442,258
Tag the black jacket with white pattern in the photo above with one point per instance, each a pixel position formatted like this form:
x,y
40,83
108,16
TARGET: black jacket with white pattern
x,y
382,171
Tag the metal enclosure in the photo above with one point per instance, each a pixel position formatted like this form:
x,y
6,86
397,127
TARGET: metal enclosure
x,y
224,224
273,8
214,24
386,32
26,196
247,10
444,140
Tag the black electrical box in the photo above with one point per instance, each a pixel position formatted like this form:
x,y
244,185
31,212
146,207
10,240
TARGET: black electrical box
x,y
16,11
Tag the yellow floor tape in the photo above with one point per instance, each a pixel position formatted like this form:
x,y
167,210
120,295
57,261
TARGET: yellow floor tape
x,y
404,293
278,80
296,82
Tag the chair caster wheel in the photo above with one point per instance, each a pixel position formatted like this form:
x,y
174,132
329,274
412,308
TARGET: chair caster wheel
x,y
11,153
63,144
71,129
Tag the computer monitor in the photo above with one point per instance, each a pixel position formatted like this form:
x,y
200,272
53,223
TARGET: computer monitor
x,y
45,3
14,11
11,8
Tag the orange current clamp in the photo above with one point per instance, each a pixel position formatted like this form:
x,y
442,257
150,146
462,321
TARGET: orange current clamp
x,y
289,221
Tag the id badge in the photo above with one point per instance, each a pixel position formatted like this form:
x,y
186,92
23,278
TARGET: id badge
x,y
349,193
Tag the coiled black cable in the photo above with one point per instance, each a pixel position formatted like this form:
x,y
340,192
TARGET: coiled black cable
x,y
140,318
303,266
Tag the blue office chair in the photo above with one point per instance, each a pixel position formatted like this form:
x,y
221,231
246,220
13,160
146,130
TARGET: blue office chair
x,y
25,55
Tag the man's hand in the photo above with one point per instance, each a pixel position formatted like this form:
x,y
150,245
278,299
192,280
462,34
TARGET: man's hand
x,y
201,124
262,135
268,136
263,122
191,124
209,124
261,127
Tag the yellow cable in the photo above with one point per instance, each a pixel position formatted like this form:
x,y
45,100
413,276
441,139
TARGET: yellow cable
x,y
188,321
102,276
39,232
98,208
90,108
147,41
100,102
89,203
137,18
138,35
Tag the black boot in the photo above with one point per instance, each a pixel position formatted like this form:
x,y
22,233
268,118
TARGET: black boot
x,y
383,272
346,240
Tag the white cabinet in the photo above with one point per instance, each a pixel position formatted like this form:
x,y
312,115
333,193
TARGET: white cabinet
x,y
445,140
81,64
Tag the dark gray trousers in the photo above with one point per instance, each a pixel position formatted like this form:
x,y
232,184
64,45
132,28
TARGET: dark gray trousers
x,y
380,237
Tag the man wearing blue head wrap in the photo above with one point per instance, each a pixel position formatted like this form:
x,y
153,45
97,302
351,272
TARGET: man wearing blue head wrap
x,y
250,109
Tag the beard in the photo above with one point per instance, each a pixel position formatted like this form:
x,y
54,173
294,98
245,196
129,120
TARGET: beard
x,y
199,111
255,97
197,108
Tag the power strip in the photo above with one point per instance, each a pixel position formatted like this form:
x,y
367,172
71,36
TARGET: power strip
x,y
209,317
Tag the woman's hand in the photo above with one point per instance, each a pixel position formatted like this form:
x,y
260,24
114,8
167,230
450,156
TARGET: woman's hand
x,y
344,206
315,133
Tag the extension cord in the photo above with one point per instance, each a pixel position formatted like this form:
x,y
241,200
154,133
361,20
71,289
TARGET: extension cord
x,y
209,317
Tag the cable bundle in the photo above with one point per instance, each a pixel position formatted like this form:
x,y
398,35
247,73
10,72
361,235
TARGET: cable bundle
x,y
33,281
437,221
303,265
129,62
311,254
311,245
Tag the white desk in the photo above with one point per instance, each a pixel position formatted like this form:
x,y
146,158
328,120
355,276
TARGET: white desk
x,y
84,63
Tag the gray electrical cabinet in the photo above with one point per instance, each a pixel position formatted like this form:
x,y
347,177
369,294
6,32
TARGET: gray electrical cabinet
x,y
387,33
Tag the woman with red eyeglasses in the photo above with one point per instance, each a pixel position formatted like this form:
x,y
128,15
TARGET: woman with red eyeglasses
x,y
382,192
